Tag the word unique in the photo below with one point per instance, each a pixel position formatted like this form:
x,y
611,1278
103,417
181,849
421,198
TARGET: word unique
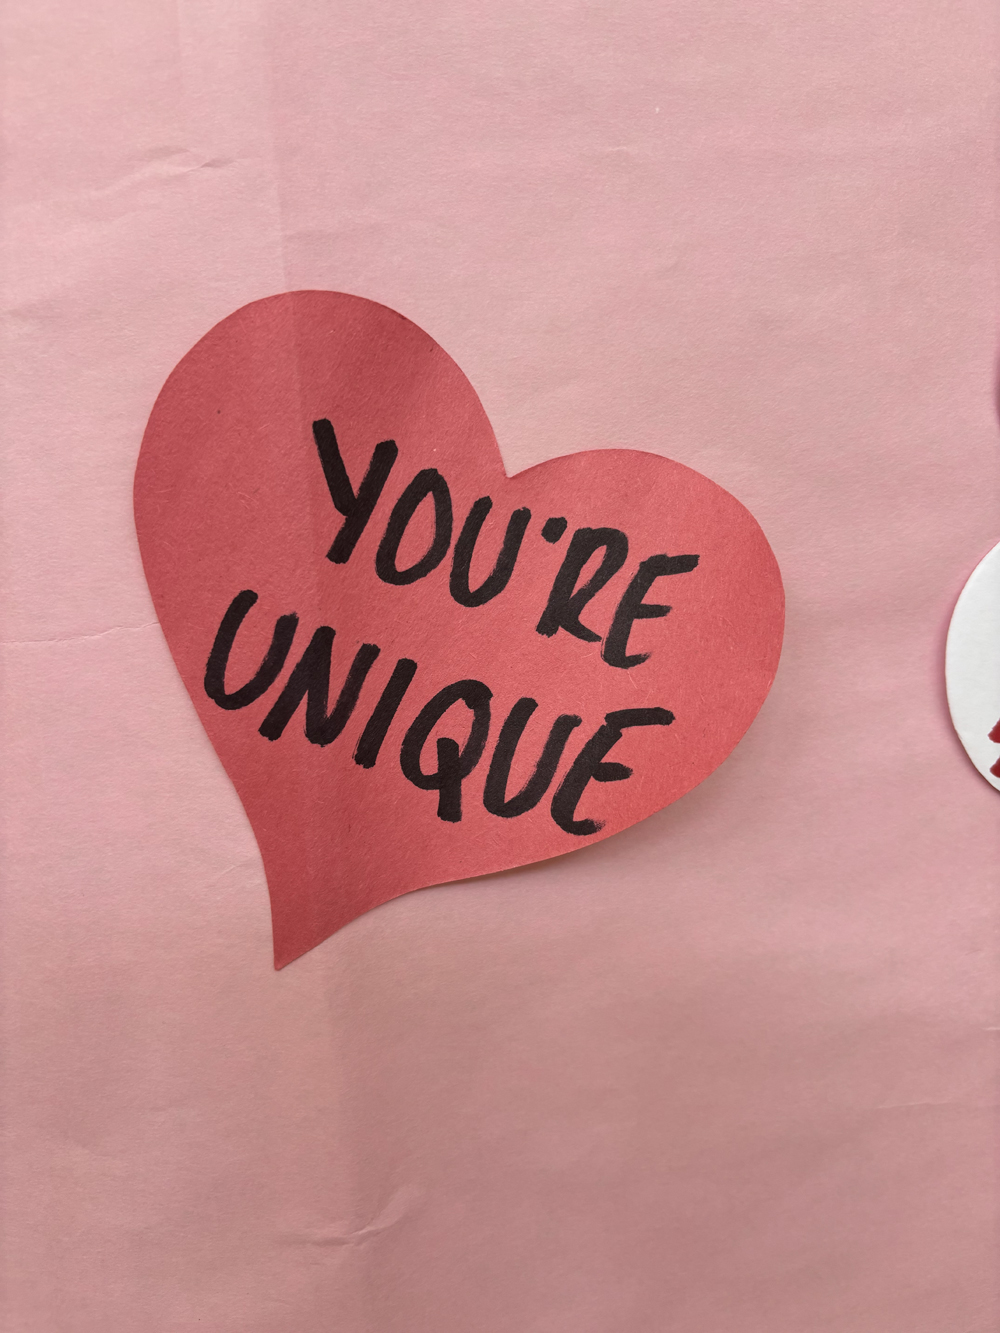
x,y
309,679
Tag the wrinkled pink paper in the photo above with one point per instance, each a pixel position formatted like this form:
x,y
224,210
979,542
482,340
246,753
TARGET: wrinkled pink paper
x,y
730,1071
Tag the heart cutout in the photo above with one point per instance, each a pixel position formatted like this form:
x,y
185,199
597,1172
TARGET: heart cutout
x,y
414,668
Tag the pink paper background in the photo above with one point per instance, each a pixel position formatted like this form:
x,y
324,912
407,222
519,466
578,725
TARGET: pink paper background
x,y
732,1071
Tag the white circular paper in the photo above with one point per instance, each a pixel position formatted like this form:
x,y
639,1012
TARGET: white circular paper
x,y
972,665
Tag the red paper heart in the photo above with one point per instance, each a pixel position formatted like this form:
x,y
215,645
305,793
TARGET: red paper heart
x,y
353,803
